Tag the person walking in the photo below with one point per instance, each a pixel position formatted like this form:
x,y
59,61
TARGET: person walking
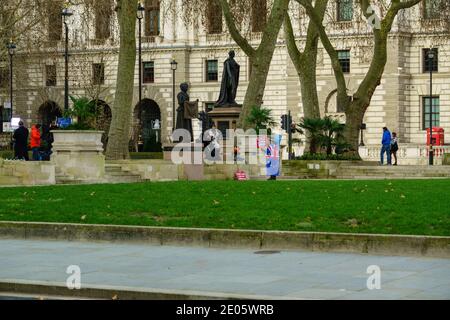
x,y
394,147
20,137
386,146
35,141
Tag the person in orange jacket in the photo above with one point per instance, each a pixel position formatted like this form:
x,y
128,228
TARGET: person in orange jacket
x,y
35,141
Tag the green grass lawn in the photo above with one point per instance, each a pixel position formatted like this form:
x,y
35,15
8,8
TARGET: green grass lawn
x,y
419,207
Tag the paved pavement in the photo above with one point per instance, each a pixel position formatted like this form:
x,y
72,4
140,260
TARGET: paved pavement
x,y
286,275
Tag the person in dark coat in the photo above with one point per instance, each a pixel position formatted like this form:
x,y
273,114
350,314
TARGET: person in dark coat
x,y
181,122
20,137
47,139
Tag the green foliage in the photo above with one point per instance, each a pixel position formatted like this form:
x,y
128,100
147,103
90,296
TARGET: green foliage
x,y
314,131
260,118
372,206
324,134
7,154
323,156
84,111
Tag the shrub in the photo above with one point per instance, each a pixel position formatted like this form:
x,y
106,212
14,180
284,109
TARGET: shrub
x,y
326,157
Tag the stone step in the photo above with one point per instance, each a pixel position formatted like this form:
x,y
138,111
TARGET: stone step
x,y
9,180
262,178
120,173
398,171
123,179
393,172
385,178
215,176
69,181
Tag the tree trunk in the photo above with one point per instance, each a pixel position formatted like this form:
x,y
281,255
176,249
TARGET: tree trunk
x,y
255,90
118,138
305,63
354,115
308,87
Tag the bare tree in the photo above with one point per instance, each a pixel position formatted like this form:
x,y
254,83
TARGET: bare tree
x,y
356,107
306,62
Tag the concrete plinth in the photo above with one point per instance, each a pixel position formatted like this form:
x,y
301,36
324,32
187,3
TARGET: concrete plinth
x,y
78,155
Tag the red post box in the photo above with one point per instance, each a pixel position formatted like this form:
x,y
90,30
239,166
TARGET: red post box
x,y
438,136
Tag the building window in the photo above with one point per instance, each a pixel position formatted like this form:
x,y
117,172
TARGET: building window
x,y
209,106
259,15
55,23
344,59
4,77
426,61
432,9
5,114
50,75
152,18
103,14
214,17
426,112
98,73
212,73
148,72
344,10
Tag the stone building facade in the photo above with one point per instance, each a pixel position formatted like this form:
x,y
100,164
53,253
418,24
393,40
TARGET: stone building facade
x,y
201,46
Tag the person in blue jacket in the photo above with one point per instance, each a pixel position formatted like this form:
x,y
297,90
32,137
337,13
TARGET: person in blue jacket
x,y
386,146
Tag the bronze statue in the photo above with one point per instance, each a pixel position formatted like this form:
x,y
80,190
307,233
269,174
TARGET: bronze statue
x,y
230,82
186,111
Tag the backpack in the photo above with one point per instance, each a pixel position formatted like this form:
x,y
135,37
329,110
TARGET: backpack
x,y
394,147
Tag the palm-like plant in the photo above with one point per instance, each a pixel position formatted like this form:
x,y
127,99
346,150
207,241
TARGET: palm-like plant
x,y
84,110
260,118
314,130
332,133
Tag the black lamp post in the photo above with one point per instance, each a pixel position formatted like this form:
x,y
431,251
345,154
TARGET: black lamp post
x,y
140,16
66,13
430,61
11,48
362,128
173,65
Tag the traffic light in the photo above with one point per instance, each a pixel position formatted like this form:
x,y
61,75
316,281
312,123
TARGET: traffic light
x,y
284,122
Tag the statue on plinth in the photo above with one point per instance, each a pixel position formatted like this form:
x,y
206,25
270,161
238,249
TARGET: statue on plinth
x,y
186,110
230,82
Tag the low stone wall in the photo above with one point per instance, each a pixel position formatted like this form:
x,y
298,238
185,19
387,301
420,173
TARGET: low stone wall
x,y
227,171
446,160
161,170
153,170
408,154
314,168
26,173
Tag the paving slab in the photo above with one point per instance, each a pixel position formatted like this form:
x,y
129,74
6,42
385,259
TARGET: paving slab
x,y
243,272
